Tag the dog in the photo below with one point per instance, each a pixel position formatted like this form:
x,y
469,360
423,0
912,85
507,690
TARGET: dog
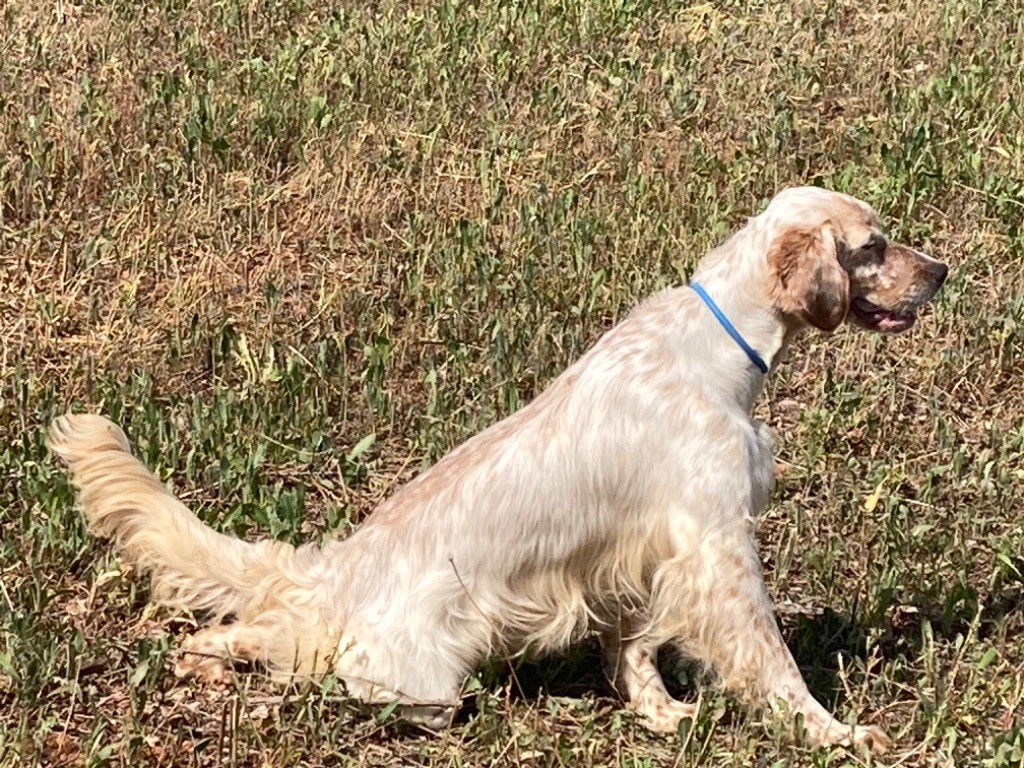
x,y
620,502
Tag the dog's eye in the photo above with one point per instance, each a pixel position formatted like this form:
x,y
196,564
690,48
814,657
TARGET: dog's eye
x,y
876,246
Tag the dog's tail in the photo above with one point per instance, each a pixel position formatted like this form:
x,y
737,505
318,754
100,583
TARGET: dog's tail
x,y
192,565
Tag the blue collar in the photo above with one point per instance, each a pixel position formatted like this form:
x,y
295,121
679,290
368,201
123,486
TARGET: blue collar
x,y
730,328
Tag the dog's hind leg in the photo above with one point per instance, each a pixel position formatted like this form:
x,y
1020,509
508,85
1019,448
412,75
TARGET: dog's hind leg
x,y
287,649
427,691
208,654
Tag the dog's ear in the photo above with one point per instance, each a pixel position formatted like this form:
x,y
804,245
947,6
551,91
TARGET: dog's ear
x,y
806,279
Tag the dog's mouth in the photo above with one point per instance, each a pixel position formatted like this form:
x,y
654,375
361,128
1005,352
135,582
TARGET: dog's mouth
x,y
876,318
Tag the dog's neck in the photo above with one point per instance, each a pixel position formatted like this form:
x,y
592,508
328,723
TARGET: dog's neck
x,y
735,276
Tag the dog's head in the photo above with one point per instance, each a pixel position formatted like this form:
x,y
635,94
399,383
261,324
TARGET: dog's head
x,y
828,260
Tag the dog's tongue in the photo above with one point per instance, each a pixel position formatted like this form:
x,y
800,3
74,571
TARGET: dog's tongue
x,y
883,319
890,321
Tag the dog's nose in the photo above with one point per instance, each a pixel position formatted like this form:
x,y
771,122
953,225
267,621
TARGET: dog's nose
x,y
941,272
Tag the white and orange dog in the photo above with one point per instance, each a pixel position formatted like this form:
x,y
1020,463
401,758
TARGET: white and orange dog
x,y
620,501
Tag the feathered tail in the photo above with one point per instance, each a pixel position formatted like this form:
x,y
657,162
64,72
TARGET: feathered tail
x,y
192,565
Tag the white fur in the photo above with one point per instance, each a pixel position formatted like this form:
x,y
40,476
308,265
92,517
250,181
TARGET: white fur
x,y
620,501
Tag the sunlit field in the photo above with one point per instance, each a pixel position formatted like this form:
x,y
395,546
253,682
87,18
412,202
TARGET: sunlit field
x,y
300,250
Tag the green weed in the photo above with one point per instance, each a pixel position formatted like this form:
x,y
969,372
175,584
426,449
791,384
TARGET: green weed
x,y
300,250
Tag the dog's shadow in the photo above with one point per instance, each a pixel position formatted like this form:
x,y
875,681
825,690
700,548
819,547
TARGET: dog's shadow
x,y
821,644
816,643
574,673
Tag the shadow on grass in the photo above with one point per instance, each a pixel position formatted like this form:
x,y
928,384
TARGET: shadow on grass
x,y
816,642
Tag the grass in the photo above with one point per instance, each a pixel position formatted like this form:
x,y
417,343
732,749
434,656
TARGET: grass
x,y
302,249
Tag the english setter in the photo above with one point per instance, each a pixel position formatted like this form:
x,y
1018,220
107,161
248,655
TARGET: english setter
x,y
620,501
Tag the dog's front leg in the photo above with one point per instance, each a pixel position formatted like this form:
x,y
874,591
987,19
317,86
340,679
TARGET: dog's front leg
x,y
631,666
712,602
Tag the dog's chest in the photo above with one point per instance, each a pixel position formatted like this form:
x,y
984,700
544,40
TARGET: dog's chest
x,y
761,465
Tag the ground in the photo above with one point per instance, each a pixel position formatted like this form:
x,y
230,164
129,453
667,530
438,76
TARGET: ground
x,y
301,249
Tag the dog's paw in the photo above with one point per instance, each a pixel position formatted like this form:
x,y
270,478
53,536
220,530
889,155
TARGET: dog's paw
x,y
433,717
869,736
203,667
664,716
872,737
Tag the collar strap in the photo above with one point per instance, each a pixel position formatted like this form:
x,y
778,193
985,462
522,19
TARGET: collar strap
x,y
730,328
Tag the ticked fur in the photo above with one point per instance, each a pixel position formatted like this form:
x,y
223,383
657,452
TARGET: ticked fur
x,y
620,501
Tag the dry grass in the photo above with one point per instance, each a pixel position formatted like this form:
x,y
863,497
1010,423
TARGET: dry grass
x,y
259,234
